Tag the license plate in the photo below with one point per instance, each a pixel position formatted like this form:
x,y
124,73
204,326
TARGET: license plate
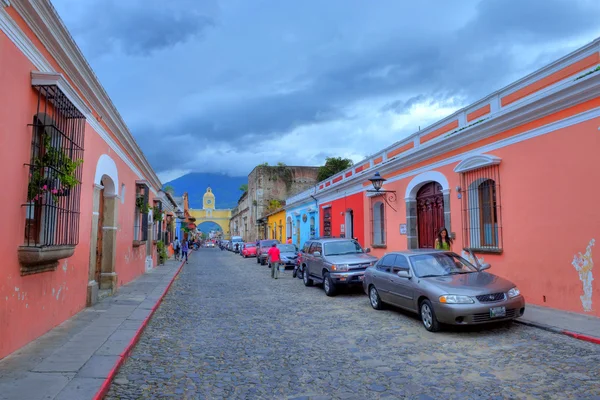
x,y
497,312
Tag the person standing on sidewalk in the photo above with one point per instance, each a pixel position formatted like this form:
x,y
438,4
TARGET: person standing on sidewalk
x,y
176,248
184,250
274,260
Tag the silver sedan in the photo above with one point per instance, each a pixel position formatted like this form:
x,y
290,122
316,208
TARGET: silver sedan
x,y
443,288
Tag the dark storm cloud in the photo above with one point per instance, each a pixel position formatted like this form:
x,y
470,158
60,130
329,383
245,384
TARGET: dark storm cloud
x,y
140,28
463,51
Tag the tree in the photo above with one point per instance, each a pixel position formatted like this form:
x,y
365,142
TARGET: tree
x,y
244,187
332,166
170,189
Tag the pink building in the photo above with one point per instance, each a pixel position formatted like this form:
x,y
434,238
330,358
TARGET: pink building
x,y
77,188
513,177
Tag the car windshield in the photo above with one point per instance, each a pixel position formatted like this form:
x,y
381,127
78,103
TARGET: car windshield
x,y
342,247
440,264
250,244
267,243
287,248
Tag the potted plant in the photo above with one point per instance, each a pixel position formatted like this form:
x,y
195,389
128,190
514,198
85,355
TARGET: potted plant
x,y
54,173
142,205
156,214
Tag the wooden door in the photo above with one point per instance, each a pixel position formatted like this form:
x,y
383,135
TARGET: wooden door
x,y
99,241
430,214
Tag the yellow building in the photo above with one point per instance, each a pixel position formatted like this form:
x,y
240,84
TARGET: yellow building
x,y
276,225
210,213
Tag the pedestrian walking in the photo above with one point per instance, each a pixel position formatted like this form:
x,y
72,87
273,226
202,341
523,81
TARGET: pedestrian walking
x,y
176,248
289,240
184,250
274,260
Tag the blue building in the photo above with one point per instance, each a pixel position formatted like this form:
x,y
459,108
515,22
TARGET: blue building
x,y
302,217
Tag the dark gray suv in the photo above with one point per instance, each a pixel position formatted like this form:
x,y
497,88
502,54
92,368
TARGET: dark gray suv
x,y
335,262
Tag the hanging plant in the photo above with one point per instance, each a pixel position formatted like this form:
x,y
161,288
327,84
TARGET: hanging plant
x,y
142,205
53,173
156,214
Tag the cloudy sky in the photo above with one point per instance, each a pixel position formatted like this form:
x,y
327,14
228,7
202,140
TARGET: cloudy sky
x,y
221,86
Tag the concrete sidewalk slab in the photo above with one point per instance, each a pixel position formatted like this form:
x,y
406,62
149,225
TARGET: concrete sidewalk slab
x,y
580,326
74,360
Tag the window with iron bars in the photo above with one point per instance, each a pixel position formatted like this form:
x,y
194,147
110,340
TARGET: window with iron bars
x,y
378,223
140,228
55,169
482,209
158,221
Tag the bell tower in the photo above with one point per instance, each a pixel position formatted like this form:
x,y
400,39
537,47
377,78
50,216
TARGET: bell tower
x,y
209,200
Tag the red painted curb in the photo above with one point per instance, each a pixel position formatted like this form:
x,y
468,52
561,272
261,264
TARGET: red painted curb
x,y
586,338
125,354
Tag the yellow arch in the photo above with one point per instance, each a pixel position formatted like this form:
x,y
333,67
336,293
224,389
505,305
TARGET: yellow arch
x,y
219,217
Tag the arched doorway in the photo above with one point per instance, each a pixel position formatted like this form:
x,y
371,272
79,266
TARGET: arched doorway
x,y
102,277
430,213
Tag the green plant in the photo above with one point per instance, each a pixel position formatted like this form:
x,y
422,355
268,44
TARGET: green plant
x,y
156,214
169,189
53,172
274,204
142,205
162,252
588,73
244,187
465,127
332,166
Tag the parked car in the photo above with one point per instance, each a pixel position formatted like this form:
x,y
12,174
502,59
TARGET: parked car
x,y
335,262
443,288
289,254
262,248
249,250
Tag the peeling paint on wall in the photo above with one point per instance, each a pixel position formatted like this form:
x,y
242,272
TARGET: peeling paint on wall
x,y
65,266
583,263
468,257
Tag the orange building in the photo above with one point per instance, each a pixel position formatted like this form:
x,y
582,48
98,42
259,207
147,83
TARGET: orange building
x,y
514,177
77,189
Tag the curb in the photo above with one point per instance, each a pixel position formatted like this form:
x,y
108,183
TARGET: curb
x,y
127,352
552,329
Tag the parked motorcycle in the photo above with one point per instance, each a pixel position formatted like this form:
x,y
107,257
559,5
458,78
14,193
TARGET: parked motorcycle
x,y
298,270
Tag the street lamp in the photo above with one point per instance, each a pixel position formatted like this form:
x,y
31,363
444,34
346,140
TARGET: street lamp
x,y
179,214
377,181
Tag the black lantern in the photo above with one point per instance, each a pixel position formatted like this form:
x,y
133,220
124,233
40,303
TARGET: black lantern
x,y
377,181
179,214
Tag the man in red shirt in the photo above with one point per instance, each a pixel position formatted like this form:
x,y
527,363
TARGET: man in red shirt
x,y
274,260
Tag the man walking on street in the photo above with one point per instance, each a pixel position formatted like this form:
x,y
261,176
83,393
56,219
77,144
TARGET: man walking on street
x,y
176,248
184,250
274,259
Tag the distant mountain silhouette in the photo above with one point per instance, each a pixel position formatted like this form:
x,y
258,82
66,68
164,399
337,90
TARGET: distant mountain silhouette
x,y
226,188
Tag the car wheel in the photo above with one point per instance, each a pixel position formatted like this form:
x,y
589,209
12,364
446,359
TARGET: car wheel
x,y
375,299
328,285
294,274
307,281
428,317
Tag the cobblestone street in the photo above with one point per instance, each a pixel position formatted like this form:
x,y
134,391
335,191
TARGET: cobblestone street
x,y
226,330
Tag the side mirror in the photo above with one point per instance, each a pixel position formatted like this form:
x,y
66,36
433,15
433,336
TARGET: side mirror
x,y
368,250
485,266
317,254
404,274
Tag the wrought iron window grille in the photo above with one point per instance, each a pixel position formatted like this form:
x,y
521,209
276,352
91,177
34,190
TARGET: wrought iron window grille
x,y
482,209
54,187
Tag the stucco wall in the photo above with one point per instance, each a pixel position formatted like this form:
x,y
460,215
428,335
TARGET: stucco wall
x,y
32,305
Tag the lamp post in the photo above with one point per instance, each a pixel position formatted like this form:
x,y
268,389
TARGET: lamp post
x,y
377,182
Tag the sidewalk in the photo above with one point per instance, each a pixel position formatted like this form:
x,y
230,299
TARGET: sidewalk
x,y
74,360
580,326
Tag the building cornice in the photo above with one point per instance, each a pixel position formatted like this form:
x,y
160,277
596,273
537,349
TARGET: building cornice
x,y
44,21
549,102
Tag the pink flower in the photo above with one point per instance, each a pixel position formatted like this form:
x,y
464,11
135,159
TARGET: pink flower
x,y
54,191
45,187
